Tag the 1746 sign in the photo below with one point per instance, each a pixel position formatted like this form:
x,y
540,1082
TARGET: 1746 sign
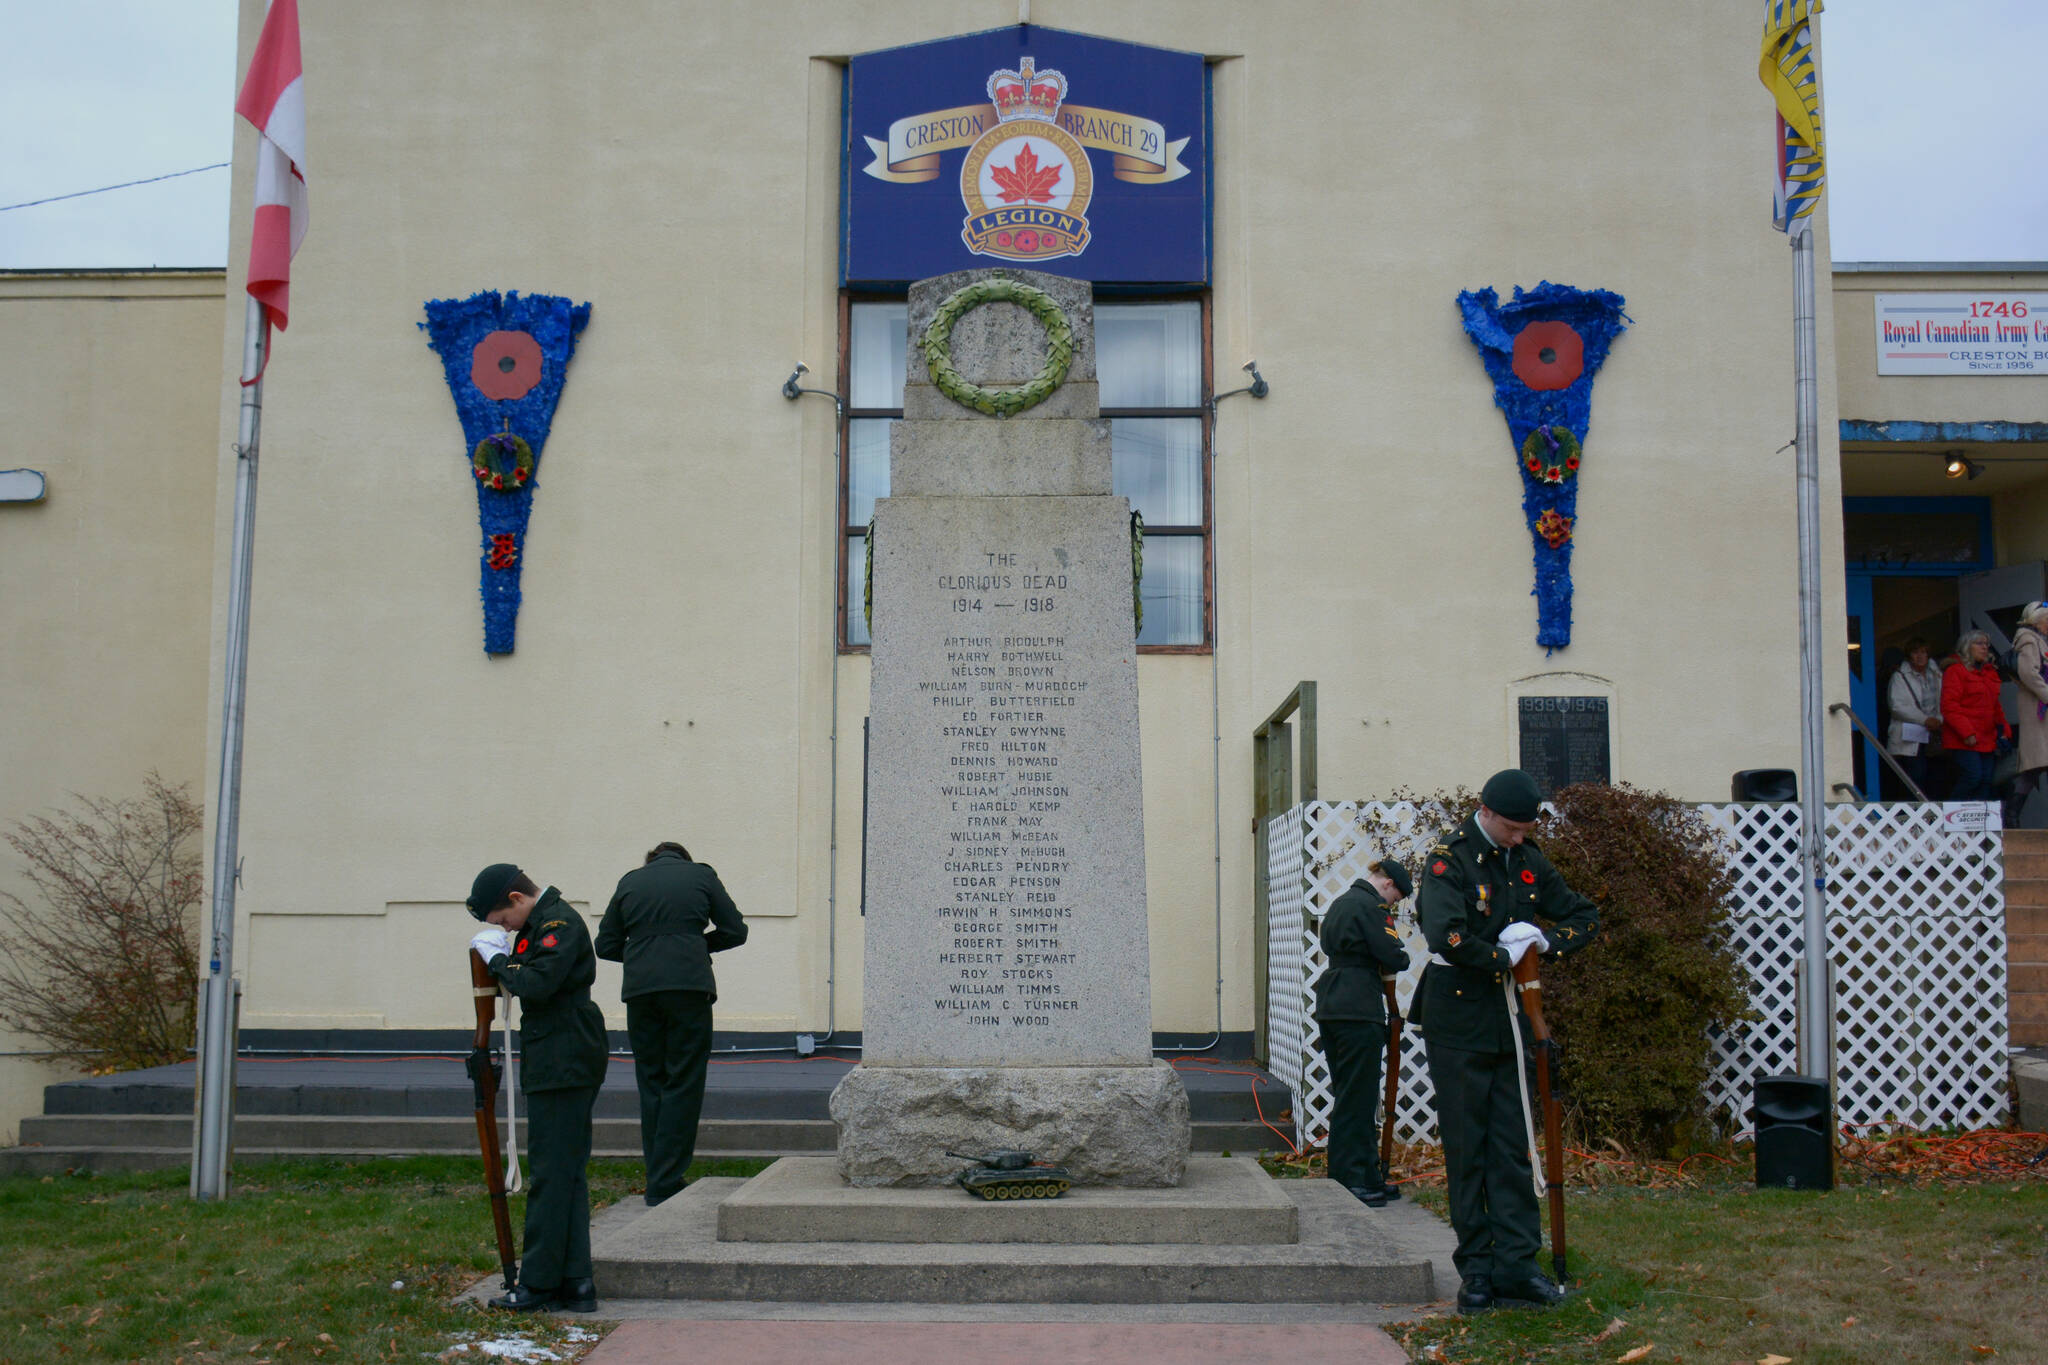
x,y
1074,155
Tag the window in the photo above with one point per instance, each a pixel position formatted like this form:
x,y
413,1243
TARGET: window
x,y
1151,363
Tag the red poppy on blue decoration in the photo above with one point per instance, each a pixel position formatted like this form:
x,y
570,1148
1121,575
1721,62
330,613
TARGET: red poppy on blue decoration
x,y
1549,355
505,365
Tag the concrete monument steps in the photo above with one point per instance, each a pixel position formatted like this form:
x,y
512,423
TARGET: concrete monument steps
x,y
1338,1251
2026,935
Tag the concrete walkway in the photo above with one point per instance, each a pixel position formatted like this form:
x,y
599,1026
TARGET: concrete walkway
x,y
785,1342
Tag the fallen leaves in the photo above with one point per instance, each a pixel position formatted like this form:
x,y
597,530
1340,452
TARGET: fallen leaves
x,y
1630,1357
1774,1360
1609,1330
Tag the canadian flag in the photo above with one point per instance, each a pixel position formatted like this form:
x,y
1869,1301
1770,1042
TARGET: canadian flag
x,y
273,98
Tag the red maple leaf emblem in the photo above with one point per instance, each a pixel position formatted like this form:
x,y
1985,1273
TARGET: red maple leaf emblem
x,y
1024,180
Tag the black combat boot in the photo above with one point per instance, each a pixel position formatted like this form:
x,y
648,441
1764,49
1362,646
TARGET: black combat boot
x,y
1475,1295
577,1296
525,1299
1538,1291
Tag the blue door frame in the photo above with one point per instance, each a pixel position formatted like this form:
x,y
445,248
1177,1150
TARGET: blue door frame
x,y
1860,591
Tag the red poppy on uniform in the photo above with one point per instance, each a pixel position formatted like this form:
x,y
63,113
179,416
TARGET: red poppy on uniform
x,y
548,942
521,946
1439,867
506,365
1549,355
1528,877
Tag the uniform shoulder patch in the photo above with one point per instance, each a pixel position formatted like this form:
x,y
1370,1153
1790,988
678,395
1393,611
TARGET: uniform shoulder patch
x,y
548,942
1440,848
1439,867
554,924
1392,932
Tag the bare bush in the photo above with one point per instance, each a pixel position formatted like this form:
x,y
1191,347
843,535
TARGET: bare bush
x,y
101,964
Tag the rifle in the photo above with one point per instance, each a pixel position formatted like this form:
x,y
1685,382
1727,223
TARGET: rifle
x,y
1530,987
1388,984
483,1075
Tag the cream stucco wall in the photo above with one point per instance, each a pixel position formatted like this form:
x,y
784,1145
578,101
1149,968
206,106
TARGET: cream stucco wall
x,y
110,390
676,165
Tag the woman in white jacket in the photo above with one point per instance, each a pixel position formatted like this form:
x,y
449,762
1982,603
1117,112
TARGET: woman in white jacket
x,y
1915,697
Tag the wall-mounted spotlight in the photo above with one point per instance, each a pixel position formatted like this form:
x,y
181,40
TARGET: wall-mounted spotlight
x,y
1960,466
1258,388
793,389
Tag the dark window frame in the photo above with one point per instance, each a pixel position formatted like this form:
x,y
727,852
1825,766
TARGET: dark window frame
x,y
1207,530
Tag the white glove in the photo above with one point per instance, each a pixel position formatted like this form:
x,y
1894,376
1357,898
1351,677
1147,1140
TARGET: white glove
x,y
490,941
1517,938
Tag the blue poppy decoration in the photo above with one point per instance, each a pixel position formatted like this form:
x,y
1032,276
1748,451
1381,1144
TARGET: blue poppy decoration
x,y
1542,350
505,358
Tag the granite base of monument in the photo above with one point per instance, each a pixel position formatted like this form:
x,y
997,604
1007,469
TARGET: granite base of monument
x,y
1107,1125
1340,1251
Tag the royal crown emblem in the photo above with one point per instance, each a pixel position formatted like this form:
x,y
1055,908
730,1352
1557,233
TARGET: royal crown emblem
x,y
1026,181
1027,93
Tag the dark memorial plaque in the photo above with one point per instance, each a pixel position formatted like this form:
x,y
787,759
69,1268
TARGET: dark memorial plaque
x,y
1564,740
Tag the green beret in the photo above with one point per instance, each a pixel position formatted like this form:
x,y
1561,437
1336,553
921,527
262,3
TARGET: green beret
x,y
487,892
1511,794
1392,870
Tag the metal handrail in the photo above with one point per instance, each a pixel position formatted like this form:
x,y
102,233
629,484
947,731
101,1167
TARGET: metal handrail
x,y
1842,708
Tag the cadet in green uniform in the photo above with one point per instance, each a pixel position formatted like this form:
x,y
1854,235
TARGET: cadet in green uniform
x,y
664,922
1362,946
1481,893
539,948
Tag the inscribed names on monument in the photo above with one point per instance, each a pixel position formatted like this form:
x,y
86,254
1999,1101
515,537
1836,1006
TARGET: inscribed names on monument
x,y
1006,842
1564,740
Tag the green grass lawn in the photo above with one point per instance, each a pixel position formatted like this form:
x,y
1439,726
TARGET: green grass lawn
x,y
317,1260
1874,1273
300,1266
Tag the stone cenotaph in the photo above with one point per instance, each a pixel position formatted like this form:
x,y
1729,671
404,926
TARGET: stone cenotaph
x,y
1007,999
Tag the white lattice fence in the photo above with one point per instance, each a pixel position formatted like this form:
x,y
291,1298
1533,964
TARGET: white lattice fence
x,y
1916,938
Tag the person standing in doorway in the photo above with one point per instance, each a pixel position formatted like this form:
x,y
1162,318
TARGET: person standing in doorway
x,y
1362,947
1483,890
664,922
2029,645
1915,696
538,947
1972,721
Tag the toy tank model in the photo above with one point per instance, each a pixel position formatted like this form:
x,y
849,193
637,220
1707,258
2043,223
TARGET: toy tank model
x,y
1011,1175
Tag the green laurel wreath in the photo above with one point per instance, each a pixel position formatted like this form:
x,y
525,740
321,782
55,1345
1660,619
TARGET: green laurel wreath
x,y
867,580
1552,460
937,346
1137,570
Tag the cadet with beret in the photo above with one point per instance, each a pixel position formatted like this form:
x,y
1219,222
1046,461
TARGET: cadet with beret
x,y
1362,946
1482,892
538,947
664,922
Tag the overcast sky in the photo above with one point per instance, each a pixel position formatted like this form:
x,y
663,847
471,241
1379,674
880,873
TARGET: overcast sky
x,y
1926,159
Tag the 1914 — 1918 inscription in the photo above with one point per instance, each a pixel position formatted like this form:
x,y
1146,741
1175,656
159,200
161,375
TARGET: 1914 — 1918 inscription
x,y
1564,740
1005,833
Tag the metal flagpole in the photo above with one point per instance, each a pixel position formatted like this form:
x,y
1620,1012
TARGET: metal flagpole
x,y
217,1018
1814,1033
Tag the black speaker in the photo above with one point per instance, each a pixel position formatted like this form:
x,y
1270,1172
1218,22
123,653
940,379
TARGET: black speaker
x,y
1766,784
1795,1147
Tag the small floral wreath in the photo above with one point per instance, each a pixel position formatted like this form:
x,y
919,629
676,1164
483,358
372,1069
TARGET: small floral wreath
x,y
1551,453
1554,527
491,450
937,346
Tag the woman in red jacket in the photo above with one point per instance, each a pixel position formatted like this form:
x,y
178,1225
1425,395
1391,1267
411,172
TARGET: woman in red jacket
x,y
1972,721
